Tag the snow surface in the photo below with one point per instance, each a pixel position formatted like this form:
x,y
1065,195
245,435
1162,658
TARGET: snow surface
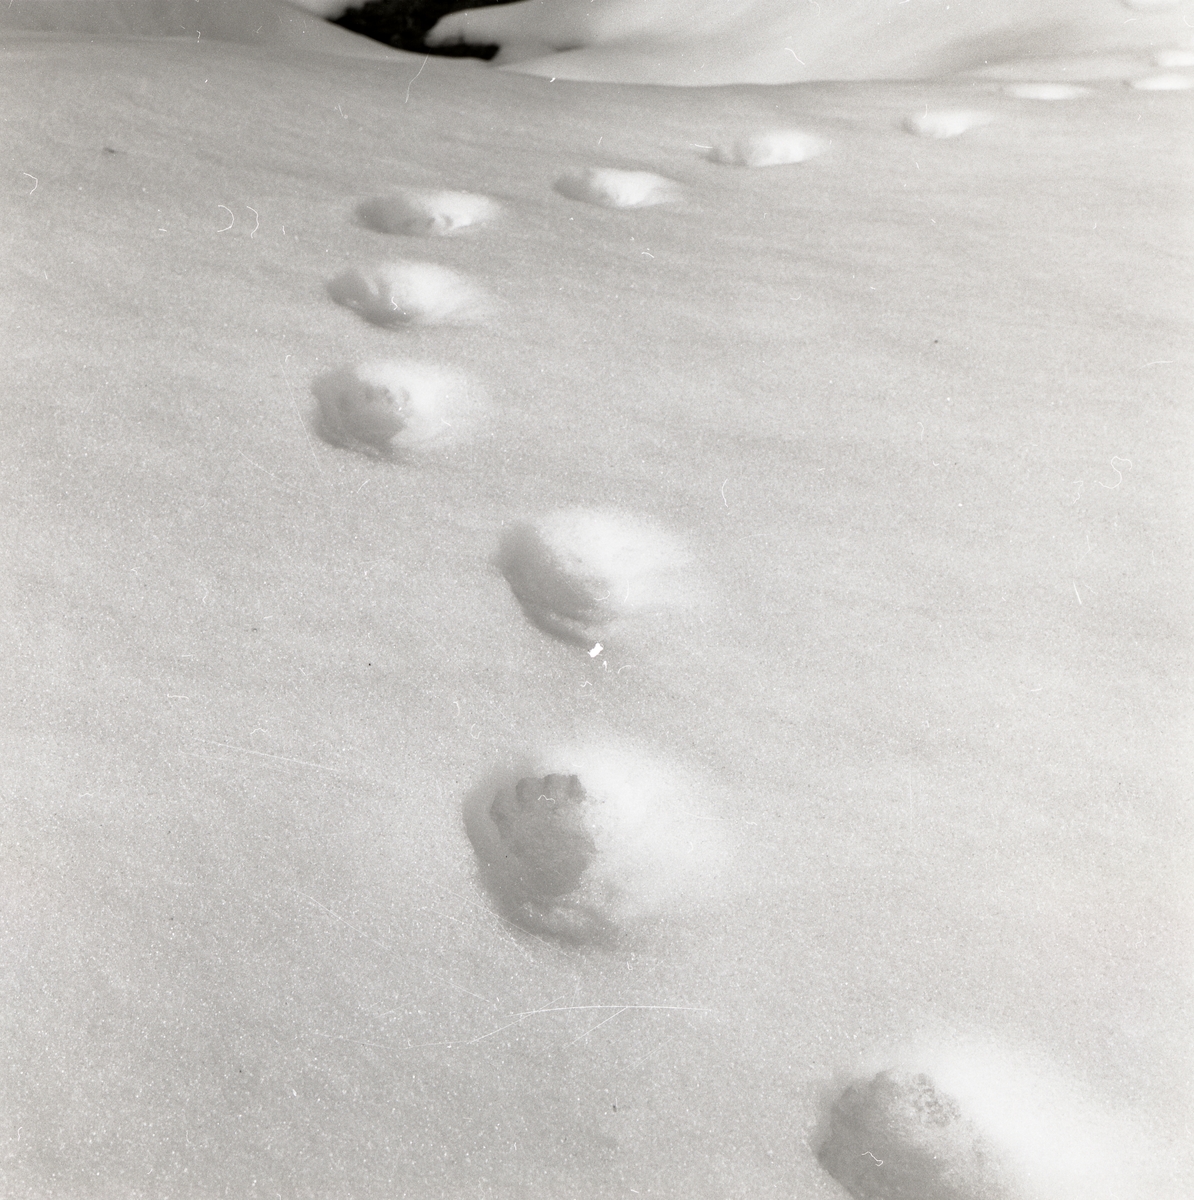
x,y
408,293
426,213
772,148
917,407
579,572
387,407
945,124
779,41
1171,82
1046,91
612,188
616,841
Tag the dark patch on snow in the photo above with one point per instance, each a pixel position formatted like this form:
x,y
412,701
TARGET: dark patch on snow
x,y
404,24
895,1136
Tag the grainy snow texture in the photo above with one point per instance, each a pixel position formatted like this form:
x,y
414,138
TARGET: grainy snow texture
x,y
328,871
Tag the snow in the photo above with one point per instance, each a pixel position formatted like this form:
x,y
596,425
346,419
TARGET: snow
x,y
1169,82
399,293
612,188
946,124
772,148
1046,91
970,1123
896,1136
593,843
390,406
916,408
1174,58
577,572
699,42
427,213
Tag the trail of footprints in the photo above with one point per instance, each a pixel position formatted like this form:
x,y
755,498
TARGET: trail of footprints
x,y
579,845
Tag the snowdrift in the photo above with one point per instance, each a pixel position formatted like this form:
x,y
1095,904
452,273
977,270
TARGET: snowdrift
x,y
697,42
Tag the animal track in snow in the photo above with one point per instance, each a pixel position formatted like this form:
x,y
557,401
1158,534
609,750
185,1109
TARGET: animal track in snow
x,y
896,1136
579,572
423,213
612,188
1174,58
585,844
1163,83
963,1121
406,293
773,148
1046,91
946,123
383,407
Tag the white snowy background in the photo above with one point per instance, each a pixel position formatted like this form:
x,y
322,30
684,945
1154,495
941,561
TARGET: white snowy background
x,y
918,408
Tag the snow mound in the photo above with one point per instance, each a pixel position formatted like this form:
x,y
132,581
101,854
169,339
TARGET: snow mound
x,y
709,42
1151,5
1046,91
585,844
1163,83
382,407
769,149
1174,58
423,213
403,293
612,188
946,123
579,572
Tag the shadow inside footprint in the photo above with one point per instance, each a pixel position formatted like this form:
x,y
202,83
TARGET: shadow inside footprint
x,y
534,850
896,1136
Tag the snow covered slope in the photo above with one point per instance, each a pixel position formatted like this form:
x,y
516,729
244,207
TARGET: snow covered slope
x,y
784,41
888,780
248,22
